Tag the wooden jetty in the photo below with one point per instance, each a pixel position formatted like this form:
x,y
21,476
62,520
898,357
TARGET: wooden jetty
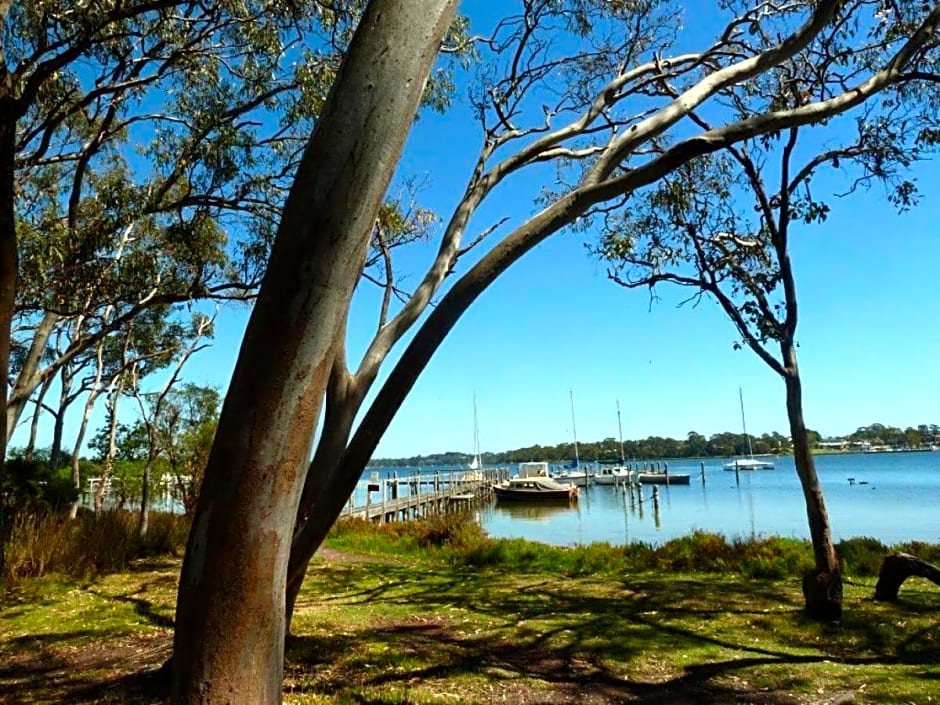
x,y
422,495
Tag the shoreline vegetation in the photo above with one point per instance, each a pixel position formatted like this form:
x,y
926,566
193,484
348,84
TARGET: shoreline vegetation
x,y
434,611
876,438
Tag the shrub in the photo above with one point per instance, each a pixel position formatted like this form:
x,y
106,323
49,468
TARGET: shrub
x,y
861,556
698,552
91,544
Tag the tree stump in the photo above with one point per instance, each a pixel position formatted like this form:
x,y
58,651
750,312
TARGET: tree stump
x,y
822,592
897,568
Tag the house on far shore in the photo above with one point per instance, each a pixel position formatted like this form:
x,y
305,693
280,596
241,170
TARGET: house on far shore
x,y
846,445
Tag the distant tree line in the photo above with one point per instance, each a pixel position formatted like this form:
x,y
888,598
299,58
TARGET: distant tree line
x,y
694,445
910,437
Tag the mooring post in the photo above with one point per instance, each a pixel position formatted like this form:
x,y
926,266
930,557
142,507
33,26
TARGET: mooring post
x,y
703,471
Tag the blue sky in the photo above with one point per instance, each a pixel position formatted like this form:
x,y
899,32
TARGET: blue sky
x,y
869,335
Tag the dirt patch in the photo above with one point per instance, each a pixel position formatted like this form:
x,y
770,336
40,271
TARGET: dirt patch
x,y
103,672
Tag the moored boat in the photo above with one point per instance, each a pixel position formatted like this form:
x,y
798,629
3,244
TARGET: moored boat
x,y
749,464
663,478
611,475
534,489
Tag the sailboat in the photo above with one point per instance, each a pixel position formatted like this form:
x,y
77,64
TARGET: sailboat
x,y
476,465
750,462
572,472
612,475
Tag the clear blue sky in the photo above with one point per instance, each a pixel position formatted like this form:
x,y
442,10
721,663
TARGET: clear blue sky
x,y
869,335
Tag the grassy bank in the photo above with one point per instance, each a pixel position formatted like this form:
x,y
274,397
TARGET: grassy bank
x,y
435,613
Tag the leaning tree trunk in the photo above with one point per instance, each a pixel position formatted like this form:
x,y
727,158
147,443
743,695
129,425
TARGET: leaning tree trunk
x,y
8,248
143,523
897,568
230,621
76,449
822,587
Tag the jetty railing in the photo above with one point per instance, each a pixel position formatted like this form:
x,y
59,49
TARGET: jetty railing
x,y
395,498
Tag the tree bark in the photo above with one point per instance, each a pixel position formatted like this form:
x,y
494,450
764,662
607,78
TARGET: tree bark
x,y
144,523
822,587
897,568
8,248
28,377
34,424
230,619
107,467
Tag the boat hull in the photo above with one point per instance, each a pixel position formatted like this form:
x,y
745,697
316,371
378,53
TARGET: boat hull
x,y
507,494
749,464
662,478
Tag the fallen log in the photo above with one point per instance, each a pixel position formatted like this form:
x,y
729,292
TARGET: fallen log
x,y
897,568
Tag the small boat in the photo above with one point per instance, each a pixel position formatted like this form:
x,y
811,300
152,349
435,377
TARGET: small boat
x,y
611,475
663,478
573,473
574,477
616,474
748,463
536,489
474,473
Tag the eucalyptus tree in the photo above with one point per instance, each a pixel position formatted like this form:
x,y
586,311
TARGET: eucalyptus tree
x,y
230,617
186,427
723,225
152,405
149,344
165,129
610,96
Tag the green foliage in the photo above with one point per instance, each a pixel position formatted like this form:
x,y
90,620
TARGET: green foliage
x,y
45,542
459,541
861,556
30,486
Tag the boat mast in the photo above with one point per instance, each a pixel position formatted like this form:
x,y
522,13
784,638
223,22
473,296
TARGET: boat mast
x,y
574,430
476,434
620,432
750,451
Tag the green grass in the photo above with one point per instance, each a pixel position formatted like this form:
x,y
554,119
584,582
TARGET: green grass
x,y
437,614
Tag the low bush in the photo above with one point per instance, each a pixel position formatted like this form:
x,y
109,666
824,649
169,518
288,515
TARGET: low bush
x,y
861,556
91,544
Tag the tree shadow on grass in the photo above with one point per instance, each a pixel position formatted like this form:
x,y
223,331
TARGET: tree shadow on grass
x,y
585,647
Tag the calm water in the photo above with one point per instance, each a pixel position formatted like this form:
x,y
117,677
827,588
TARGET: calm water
x,y
900,502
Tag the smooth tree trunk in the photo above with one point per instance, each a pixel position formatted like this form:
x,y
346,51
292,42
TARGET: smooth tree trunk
x,y
822,587
76,464
230,619
107,468
34,424
28,378
143,523
9,109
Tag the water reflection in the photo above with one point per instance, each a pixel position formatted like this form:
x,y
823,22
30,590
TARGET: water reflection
x,y
533,511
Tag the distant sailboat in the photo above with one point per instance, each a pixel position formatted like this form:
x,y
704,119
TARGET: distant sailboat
x,y
477,463
573,472
748,463
607,475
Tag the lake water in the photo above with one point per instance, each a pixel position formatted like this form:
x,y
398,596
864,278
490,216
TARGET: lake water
x,y
895,498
